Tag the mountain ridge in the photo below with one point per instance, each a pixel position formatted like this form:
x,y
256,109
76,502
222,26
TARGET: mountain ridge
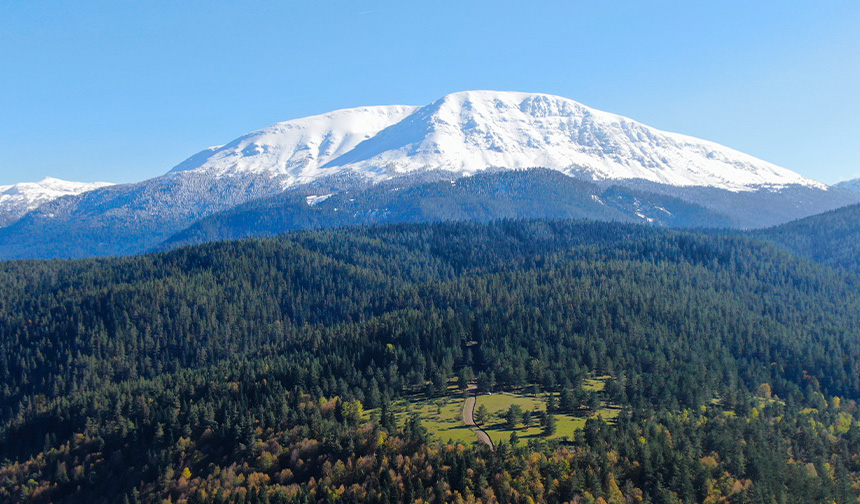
x,y
459,135
851,185
471,131
831,238
295,149
538,193
18,199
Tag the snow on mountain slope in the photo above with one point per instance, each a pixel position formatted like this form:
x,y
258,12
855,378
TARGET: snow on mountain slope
x,y
18,199
471,131
460,134
296,150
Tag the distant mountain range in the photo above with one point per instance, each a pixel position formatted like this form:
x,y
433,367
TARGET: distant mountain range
x,y
853,185
18,199
466,156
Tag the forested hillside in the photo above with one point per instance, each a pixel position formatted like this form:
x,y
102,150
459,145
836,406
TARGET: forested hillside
x,y
265,370
832,238
513,194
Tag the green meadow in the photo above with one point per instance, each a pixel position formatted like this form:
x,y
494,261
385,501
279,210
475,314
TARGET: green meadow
x,y
442,416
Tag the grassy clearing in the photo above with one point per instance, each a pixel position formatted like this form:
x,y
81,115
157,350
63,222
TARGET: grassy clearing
x,y
566,425
442,416
596,384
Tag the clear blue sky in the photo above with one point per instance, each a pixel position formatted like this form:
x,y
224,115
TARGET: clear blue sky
x,y
122,91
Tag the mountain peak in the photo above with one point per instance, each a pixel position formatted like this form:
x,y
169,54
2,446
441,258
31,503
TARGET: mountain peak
x,y
295,150
18,199
460,134
48,186
470,131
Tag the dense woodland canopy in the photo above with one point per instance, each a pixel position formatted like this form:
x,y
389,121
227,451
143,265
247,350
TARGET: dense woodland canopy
x,y
264,370
832,238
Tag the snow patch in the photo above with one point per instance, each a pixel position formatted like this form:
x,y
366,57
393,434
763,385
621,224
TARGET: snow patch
x,y
643,216
313,200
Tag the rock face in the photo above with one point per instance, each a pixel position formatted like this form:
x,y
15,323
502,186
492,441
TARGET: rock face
x,y
460,135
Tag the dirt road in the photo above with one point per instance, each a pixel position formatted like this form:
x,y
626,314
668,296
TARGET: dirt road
x,y
469,418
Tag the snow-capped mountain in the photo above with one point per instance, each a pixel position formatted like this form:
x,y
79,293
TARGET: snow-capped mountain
x,y
461,134
472,131
296,151
18,199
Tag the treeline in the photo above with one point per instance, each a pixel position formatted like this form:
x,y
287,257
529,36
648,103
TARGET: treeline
x,y
242,371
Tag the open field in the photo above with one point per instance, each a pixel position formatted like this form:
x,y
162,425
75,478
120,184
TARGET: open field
x,y
498,403
442,416
596,384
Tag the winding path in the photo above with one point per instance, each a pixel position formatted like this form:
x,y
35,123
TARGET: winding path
x,y
469,418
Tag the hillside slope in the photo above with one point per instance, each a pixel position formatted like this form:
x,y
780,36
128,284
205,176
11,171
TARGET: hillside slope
x,y
265,370
832,238
521,194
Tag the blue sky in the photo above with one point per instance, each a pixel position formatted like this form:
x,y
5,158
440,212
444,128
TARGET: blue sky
x,y
123,91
